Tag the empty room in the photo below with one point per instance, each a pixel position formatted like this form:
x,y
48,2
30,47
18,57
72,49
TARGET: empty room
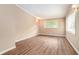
x,y
39,29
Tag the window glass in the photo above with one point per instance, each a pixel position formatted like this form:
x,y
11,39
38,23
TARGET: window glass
x,y
71,23
51,24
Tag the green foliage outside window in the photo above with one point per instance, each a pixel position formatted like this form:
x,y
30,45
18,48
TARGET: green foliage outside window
x,y
51,24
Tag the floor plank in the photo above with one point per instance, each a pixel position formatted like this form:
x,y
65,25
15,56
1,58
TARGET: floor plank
x,y
43,45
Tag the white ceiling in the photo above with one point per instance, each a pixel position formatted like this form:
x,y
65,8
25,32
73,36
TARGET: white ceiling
x,y
45,11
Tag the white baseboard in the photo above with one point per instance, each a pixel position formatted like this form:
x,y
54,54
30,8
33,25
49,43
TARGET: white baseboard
x,y
52,35
7,50
25,37
30,33
73,46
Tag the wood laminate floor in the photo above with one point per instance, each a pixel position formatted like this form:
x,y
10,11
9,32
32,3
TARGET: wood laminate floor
x,y
43,45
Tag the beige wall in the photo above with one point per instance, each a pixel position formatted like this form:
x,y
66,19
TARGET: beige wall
x,y
73,38
60,31
15,24
7,27
25,24
77,30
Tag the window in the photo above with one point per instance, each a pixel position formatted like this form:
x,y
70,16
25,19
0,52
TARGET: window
x,y
71,23
51,24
